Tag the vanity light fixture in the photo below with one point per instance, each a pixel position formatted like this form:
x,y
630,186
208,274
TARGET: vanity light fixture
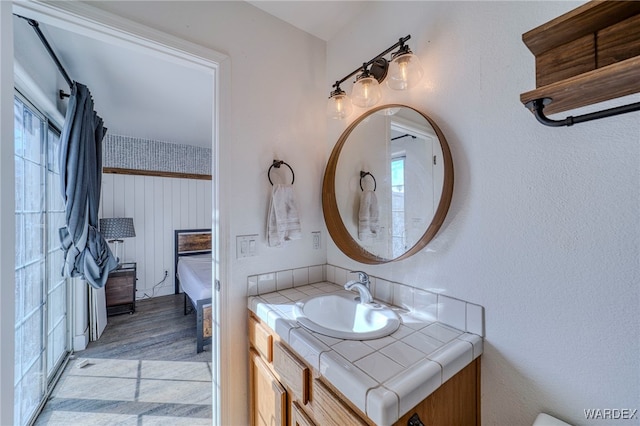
x,y
402,73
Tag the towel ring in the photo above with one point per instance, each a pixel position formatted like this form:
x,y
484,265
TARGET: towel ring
x,y
277,164
362,176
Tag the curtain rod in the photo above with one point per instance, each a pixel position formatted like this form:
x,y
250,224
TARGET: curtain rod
x,y
36,27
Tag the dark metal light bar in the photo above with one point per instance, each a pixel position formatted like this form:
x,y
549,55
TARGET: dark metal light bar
x,y
366,64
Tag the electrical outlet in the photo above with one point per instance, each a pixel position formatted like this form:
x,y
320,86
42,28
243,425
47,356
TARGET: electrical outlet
x,y
316,240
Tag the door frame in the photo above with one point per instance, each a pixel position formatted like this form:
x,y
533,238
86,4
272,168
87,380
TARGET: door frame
x,y
88,21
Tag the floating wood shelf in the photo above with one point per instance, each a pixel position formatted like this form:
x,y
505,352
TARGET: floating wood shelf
x,y
119,171
588,55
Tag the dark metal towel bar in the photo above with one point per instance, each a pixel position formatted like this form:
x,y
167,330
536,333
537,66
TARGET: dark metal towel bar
x,y
277,164
536,106
363,174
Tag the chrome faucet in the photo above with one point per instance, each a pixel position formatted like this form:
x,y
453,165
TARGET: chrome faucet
x,y
363,278
362,286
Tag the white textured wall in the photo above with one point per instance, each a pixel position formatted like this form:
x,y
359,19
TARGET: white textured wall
x,y
277,103
544,227
158,206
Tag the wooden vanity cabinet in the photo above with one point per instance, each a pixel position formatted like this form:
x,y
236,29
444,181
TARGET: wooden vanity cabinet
x,y
456,402
283,391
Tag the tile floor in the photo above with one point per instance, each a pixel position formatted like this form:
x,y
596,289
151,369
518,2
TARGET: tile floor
x,y
115,390
131,392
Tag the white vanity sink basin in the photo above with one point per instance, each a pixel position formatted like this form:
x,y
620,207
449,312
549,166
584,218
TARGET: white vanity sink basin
x,y
341,316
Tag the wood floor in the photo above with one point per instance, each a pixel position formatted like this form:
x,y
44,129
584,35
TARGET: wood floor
x,y
143,370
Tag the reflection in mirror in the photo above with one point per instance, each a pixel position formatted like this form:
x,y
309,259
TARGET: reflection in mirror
x,y
388,185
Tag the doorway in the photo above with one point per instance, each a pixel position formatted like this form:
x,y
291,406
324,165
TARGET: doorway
x,y
83,20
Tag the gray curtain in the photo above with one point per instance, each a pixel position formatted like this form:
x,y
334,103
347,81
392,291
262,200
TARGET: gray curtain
x,y
86,253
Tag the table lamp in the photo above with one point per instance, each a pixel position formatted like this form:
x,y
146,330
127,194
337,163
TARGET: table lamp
x,y
114,229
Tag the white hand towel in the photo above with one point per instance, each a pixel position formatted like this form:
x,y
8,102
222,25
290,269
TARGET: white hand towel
x,y
283,223
368,215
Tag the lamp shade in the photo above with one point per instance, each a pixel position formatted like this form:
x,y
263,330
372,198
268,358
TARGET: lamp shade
x,y
339,105
116,228
366,92
405,71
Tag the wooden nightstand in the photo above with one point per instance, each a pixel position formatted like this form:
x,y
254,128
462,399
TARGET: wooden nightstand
x,y
121,290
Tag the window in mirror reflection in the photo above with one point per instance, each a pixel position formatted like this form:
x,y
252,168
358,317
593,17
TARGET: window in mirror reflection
x,y
397,205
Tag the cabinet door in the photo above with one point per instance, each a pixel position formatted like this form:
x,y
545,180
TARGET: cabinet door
x,y
268,397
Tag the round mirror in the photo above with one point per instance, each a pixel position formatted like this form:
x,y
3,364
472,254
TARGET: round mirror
x,y
388,185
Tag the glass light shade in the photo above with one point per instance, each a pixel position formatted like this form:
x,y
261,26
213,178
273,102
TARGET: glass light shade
x,y
366,92
405,72
339,106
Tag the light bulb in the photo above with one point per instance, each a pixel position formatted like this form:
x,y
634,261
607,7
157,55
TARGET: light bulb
x,y
405,72
339,106
366,92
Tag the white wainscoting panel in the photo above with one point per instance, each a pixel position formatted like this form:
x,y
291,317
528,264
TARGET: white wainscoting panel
x,y
158,206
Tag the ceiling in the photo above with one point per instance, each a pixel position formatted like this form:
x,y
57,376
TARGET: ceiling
x,y
322,19
147,97
136,94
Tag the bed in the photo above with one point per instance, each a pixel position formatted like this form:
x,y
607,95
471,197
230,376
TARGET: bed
x,y
193,276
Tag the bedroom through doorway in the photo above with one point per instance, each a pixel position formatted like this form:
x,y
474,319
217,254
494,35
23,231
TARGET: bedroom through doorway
x,y
182,201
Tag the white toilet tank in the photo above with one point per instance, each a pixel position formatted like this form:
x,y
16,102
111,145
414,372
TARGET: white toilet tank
x,y
547,420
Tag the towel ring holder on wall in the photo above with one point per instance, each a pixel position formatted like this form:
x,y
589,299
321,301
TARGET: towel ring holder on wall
x,y
363,174
277,164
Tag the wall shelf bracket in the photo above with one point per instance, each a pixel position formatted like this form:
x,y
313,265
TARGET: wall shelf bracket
x,y
589,55
536,106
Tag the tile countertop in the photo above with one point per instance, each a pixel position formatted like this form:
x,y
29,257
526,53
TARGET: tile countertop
x,y
384,378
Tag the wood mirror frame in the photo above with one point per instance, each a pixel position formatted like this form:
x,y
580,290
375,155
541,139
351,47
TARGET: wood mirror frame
x,y
335,225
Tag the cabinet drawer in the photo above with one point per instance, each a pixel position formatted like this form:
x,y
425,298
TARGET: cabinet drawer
x,y
328,410
119,289
299,417
260,338
293,372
